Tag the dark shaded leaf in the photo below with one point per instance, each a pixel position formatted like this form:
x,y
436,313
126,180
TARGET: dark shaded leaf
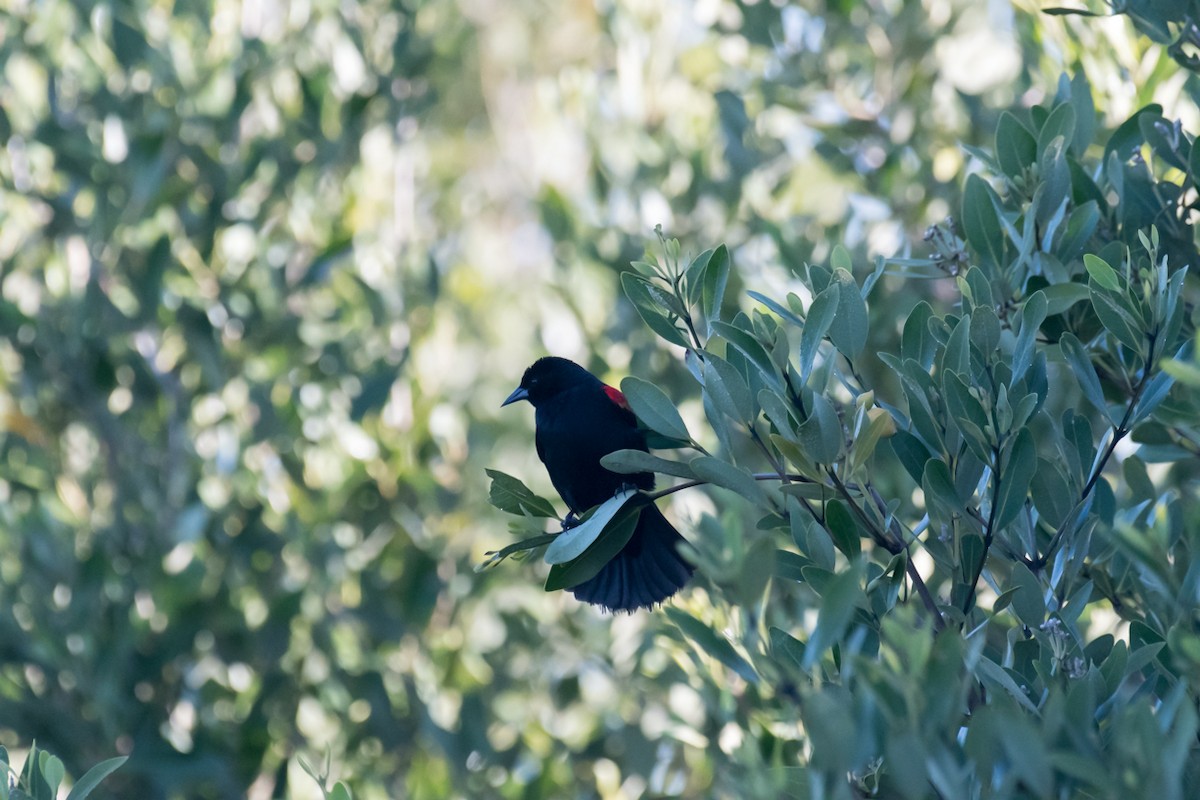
x,y
511,495
843,529
1017,468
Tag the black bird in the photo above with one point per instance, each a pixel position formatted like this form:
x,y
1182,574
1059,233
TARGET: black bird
x,y
580,420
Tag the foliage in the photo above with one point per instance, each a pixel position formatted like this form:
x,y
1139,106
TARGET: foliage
x,y
1011,680
43,774
267,270
1175,24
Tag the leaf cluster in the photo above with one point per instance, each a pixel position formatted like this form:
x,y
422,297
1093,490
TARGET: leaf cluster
x,y
1071,322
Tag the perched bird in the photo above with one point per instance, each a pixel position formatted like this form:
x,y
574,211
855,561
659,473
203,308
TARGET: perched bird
x,y
580,420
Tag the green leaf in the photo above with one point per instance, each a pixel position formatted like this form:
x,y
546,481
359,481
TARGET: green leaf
x,y
1127,138
571,543
1155,392
628,462
938,485
840,259
711,643
848,332
727,476
340,791
779,411
985,330
968,415
1085,113
716,276
1033,313
1062,296
1027,753
694,276
820,317
786,649
957,356
919,389
1028,602
1101,272
1167,144
912,453
509,494
1194,165
809,491
821,434
786,313
1004,599
1016,149
92,778
756,569
1183,371
1061,122
981,223
1055,188
790,566
843,529
915,342
864,444
838,601
727,389
602,551
1016,473
746,344
1081,224
53,773
1081,364
1117,320
646,300
1051,493
993,674
651,405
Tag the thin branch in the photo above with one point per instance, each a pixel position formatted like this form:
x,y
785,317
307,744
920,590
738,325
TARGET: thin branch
x,y
758,476
774,462
525,544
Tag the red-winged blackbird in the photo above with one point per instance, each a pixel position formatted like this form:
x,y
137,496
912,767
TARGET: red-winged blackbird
x,y
580,420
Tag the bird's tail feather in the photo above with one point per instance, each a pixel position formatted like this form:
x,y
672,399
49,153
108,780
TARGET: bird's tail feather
x,y
647,571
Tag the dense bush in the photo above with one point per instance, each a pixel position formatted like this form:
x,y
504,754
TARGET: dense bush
x,y
1001,676
267,273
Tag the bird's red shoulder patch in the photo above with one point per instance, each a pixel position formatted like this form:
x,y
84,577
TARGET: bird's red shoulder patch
x,y
618,397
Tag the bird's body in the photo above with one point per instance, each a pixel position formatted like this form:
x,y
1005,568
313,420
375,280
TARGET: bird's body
x,y
579,421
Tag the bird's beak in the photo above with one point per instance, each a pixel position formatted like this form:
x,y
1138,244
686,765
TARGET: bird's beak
x,y
520,393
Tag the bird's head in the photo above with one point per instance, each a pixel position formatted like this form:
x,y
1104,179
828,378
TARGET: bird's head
x,y
548,377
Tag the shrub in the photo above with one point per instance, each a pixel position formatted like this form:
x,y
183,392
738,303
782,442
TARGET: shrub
x,y
1000,539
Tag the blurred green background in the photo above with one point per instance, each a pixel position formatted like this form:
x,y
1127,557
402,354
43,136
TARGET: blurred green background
x,y
267,270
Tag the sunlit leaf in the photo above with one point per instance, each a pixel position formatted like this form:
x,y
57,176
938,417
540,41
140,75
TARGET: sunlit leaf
x,y
571,543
